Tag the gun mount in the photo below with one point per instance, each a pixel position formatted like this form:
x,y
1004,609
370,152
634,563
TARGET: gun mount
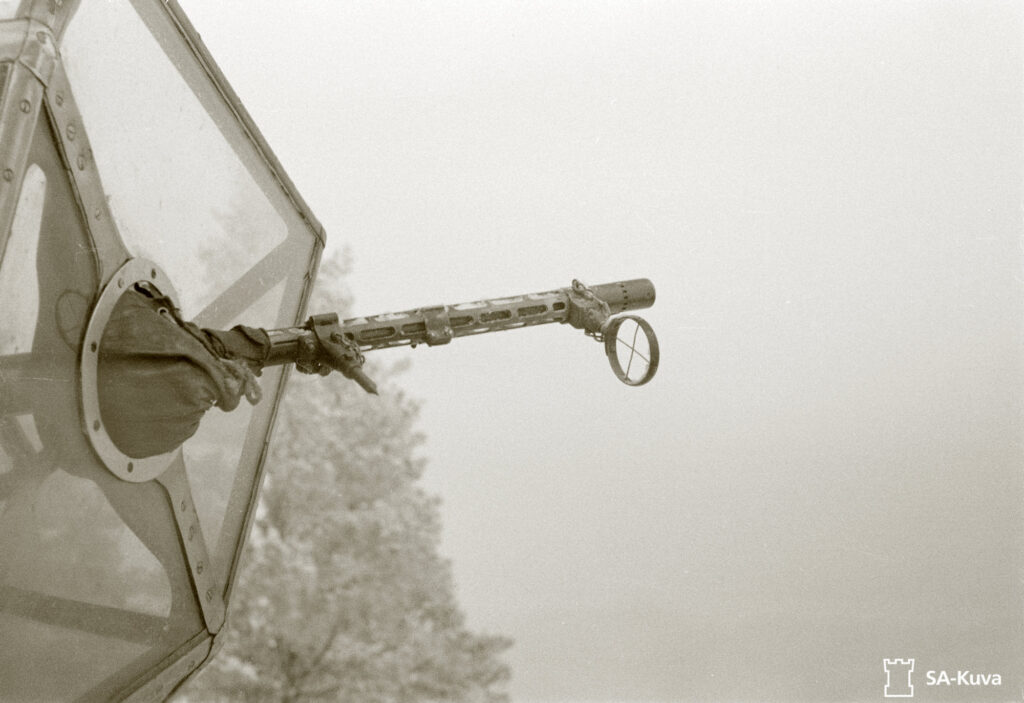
x,y
149,376
324,343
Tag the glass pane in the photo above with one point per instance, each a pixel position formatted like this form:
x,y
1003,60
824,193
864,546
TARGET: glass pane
x,y
93,589
179,192
75,562
28,669
18,286
189,190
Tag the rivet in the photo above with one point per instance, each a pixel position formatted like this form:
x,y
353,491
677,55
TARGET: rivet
x,y
152,273
92,347
96,424
199,568
60,98
209,595
131,467
120,283
191,532
183,506
97,213
71,132
336,338
81,162
26,106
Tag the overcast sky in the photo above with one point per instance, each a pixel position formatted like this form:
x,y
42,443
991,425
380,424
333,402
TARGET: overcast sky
x,y
826,470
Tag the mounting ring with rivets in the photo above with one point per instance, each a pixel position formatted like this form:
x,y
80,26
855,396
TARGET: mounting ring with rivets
x,y
120,464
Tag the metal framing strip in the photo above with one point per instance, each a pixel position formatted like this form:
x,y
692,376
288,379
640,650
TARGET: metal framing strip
x,y
55,14
29,70
30,45
209,593
69,614
73,144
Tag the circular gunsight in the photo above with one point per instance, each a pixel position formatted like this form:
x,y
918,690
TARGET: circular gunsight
x,y
632,349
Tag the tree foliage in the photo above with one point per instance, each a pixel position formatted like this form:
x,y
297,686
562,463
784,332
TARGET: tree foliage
x,y
342,594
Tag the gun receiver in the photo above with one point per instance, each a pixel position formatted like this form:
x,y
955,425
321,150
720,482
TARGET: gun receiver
x,y
324,343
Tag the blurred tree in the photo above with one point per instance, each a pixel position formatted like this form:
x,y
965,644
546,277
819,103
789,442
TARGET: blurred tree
x,y
342,594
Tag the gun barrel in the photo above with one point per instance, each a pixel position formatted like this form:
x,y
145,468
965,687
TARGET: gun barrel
x,y
438,325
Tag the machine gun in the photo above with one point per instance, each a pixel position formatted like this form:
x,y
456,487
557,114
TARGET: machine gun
x,y
324,343
148,376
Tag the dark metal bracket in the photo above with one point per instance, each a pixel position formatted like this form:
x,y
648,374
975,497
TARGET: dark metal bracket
x,y
439,326
338,351
587,311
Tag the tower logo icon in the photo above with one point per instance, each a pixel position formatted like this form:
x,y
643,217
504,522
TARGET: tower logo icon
x,y
898,682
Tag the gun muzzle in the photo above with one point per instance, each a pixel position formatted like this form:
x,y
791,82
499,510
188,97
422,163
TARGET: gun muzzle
x,y
626,295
